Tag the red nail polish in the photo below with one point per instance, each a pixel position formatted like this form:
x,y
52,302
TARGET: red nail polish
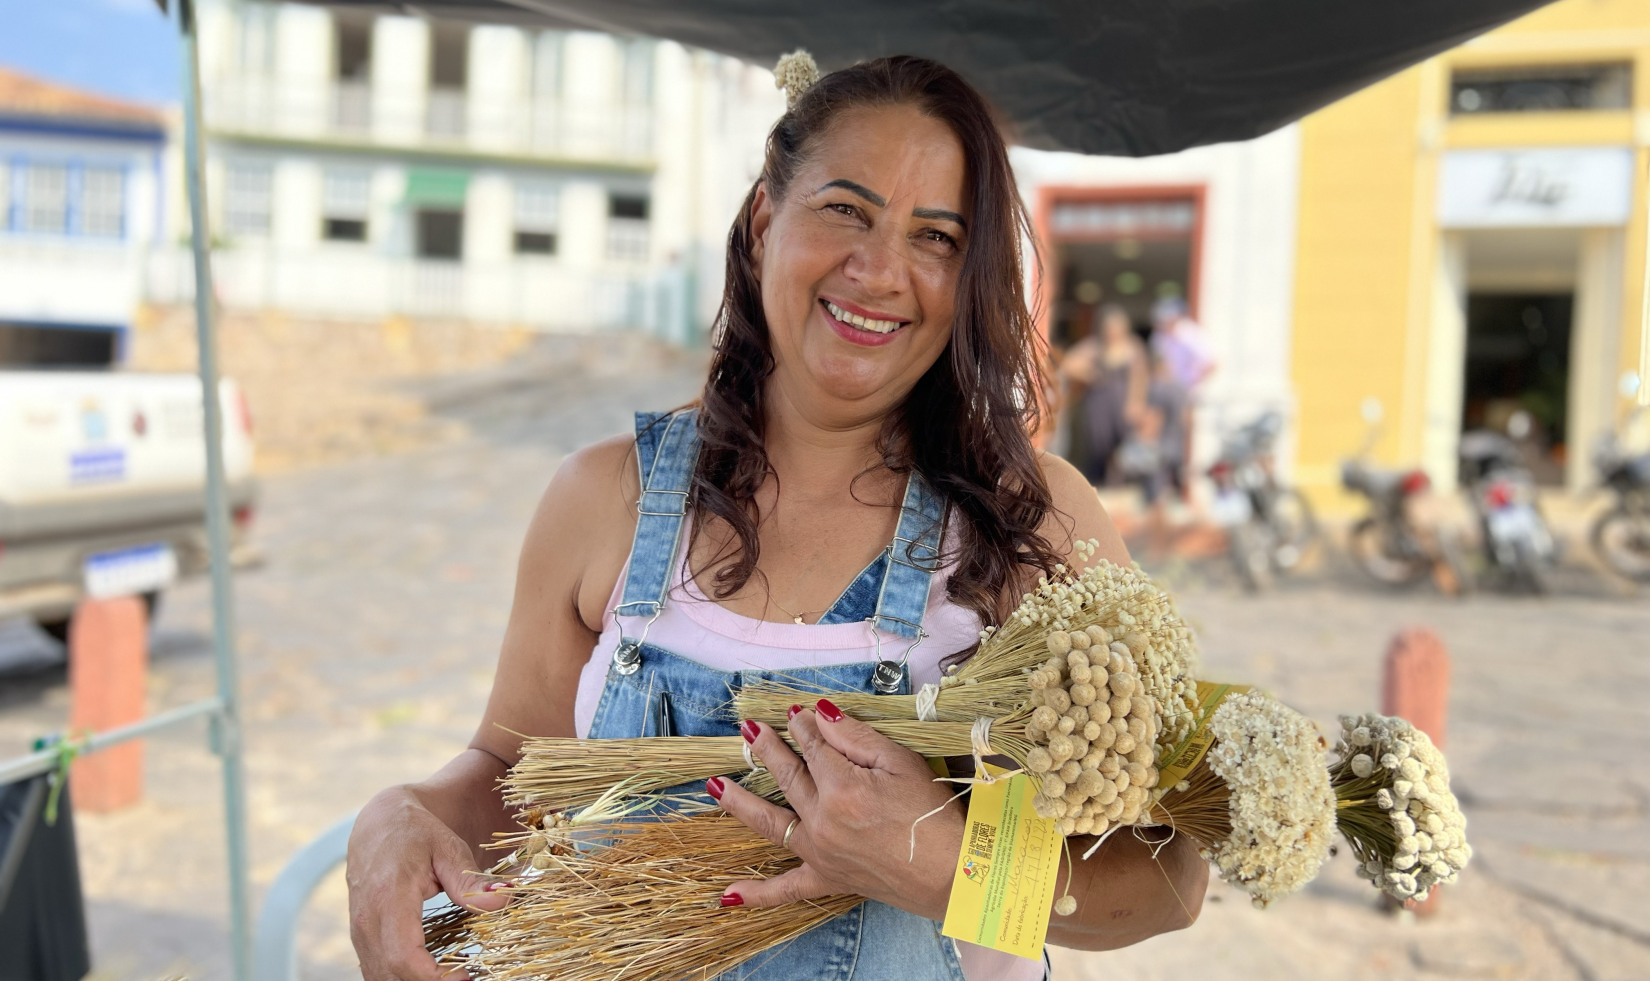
x,y
714,787
828,710
750,730
791,714
732,899
495,886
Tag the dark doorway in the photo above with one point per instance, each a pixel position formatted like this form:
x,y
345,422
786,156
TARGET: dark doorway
x,y
1518,359
1131,273
440,234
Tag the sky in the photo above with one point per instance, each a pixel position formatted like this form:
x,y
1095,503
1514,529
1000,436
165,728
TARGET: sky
x,y
122,48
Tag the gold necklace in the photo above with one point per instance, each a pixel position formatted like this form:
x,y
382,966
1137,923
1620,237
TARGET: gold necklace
x,y
796,617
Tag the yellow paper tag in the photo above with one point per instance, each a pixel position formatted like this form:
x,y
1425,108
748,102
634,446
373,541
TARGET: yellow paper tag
x,y
1003,890
1190,752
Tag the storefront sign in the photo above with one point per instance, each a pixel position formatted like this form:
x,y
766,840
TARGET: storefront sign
x,y
1123,219
1536,187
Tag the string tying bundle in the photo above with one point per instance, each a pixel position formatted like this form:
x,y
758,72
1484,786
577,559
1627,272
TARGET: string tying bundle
x,y
795,73
928,703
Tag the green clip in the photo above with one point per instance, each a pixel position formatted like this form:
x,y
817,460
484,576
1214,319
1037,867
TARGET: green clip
x,y
67,751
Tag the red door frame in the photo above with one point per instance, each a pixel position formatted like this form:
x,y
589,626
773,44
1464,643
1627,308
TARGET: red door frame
x,y
1049,196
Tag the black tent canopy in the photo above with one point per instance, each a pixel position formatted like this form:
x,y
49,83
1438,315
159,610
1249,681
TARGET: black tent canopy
x,y
1120,77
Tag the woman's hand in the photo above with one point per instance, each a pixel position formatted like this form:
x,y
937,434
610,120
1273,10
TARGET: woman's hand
x,y
401,854
855,794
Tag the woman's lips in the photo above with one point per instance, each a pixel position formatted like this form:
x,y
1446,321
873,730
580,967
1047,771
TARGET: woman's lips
x,y
855,334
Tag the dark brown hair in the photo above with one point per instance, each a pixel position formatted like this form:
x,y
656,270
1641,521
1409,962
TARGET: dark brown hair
x,y
965,426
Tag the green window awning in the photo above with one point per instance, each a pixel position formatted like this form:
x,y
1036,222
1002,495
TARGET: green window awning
x,y
436,188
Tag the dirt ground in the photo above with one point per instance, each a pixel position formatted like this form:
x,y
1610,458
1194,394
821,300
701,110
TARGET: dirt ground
x,y
369,632
325,391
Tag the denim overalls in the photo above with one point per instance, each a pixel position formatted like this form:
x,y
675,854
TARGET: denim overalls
x,y
650,690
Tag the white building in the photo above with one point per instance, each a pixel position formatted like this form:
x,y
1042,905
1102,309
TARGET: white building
x,y
367,165
1214,225
80,201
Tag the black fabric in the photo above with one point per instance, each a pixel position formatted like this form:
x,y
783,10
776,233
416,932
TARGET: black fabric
x,y
42,914
1120,77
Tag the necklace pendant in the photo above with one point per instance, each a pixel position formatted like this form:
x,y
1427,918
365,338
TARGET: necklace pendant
x,y
798,619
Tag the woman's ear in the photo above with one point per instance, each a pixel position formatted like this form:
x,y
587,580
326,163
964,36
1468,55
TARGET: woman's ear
x,y
761,219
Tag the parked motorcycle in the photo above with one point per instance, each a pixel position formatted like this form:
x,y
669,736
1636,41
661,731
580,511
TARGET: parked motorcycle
x,y
1621,535
1516,540
1388,543
1268,526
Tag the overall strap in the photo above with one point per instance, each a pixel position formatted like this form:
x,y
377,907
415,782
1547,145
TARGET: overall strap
x,y
914,556
667,446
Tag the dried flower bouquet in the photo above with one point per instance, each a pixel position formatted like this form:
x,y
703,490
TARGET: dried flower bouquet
x,y
1031,680
599,899
1259,802
1395,806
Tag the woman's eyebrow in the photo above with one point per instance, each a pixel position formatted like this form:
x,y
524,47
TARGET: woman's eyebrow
x,y
859,189
939,214
928,214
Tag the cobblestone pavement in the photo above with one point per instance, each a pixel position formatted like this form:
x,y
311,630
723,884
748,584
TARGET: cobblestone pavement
x,y
368,638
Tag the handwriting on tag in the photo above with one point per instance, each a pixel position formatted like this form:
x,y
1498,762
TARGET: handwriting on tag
x,y
1003,889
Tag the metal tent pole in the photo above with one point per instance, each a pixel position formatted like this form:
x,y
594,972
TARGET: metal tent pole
x,y
226,729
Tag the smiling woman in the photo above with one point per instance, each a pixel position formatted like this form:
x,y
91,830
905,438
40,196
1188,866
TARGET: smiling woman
x,y
855,495
886,198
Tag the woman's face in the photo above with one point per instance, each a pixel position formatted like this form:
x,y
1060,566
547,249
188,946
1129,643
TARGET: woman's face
x,y
1115,329
859,262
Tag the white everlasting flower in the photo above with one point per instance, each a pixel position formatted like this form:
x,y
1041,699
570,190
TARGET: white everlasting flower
x,y
1362,765
1429,845
1281,805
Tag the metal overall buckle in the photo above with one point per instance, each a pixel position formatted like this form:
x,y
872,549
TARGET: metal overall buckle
x,y
889,676
627,657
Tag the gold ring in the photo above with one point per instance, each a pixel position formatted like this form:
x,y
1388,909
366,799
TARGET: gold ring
x,y
786,841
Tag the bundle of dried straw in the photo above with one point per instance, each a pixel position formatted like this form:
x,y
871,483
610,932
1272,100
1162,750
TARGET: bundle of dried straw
x,y
610,899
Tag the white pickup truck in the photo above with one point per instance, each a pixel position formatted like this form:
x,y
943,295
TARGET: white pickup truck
x,y
102,486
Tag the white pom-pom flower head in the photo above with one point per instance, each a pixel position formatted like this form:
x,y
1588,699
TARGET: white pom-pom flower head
x,y
1400,818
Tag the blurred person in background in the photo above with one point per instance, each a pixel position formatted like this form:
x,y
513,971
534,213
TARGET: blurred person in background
x,y
1110,367
1181,346
1153,457
871,351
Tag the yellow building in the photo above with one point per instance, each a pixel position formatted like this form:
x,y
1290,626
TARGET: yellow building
x,y
1471,242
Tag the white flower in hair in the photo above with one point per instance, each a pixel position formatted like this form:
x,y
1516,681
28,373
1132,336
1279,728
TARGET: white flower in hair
x,y
795,73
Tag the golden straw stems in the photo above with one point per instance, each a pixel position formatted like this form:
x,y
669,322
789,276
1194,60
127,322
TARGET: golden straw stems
x,y
636,900
1202,810
770,702
564,774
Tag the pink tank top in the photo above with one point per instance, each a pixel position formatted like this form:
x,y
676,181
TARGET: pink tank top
x,y
693,626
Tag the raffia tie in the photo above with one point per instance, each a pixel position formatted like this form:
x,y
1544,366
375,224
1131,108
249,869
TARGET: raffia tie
x,y
750,763
928,703
979,738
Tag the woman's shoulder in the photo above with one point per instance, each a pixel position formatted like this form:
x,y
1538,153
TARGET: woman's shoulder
x,y
1077,514
580,534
